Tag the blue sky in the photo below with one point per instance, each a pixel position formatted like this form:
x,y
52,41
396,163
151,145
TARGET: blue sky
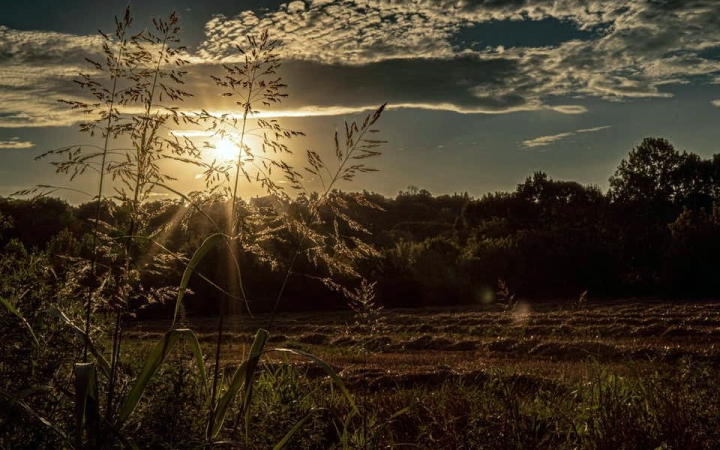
x,y
480,93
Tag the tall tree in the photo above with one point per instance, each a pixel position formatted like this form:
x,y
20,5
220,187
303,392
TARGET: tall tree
x,y
649,174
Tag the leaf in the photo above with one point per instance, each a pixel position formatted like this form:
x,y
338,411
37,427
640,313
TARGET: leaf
x,y
243,377
157,357
87,414
17,313
102,362
328,370
283,442
209,243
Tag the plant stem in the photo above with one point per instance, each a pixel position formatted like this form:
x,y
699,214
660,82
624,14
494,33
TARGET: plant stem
x,y
98,205
216,371
141,155
230,225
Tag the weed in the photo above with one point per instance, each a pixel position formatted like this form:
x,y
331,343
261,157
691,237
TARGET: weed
x,y
580,302
506,297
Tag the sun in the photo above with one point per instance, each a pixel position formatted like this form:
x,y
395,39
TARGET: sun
x,y
226,149
223,146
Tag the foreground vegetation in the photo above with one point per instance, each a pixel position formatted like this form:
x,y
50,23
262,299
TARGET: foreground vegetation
x,y
625,375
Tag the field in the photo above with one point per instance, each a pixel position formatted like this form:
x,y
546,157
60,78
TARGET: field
x,y
623,374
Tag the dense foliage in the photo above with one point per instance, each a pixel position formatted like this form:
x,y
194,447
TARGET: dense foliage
x,y
655,232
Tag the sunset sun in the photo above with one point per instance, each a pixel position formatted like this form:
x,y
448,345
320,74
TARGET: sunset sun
x,y
226,149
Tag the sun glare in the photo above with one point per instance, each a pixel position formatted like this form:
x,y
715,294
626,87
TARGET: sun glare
x,y
223,146
226,149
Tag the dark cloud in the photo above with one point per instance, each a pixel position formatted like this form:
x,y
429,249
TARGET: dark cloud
x,y
458,81
463,84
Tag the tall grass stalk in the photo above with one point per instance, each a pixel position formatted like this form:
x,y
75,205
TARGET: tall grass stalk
x,y
356,148
252,81
109,124
157,53
115,65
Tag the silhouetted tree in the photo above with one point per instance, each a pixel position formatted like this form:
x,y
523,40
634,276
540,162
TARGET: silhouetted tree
x,y
650,174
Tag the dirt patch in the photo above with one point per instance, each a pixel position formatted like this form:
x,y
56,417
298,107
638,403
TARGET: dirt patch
x,y
425,342
502,345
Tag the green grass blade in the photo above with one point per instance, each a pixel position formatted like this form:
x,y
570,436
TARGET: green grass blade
x,y
157,357
221,408
87,414
209,243
399,413
242,378
239,278
191,338
328,370
284,441
17,313
101,361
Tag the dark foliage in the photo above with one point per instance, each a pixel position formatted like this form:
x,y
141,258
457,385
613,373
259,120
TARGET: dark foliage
x,y
654,233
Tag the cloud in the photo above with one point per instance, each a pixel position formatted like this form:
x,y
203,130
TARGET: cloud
x,y
342,56
45,48
16,144
37,68
569,109
466,84
543,141
637,46
192,133
592,130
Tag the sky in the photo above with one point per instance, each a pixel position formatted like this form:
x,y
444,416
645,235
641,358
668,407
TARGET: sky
x,y
480,93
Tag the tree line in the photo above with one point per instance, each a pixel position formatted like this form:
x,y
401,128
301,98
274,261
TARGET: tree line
x,y
655,232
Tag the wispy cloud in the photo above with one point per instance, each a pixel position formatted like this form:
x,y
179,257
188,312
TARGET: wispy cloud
x,y
569,109
543,141
592,130
16,144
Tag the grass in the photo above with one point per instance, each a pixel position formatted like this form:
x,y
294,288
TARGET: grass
x,y
599,383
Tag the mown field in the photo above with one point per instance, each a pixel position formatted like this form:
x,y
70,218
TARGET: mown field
x,y
623,374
